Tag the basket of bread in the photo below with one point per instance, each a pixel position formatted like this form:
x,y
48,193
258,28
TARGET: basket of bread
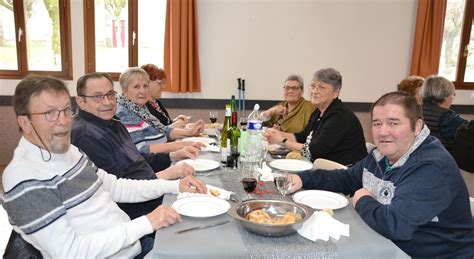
x,y
271,217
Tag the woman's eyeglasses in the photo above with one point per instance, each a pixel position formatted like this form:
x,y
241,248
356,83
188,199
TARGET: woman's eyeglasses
x,y
292,88
100,97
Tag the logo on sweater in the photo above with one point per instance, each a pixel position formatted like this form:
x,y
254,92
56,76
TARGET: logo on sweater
x,y
383,190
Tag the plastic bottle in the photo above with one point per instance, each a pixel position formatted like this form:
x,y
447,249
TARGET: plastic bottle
x,y
254,140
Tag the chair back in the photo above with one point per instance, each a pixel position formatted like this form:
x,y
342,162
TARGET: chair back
x,y
321,163
18,248
369,147
471,199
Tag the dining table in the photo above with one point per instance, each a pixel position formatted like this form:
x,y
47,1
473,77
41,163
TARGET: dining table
x,y
231,240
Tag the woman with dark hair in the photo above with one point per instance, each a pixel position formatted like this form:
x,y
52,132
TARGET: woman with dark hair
x,y
412,85
156,108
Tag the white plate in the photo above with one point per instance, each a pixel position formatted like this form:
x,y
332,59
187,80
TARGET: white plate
x,y
291,165
321,199
201,165
200,206
200,139
210,132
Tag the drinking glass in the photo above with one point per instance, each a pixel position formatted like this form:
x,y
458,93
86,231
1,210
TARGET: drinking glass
x,y
283,185
248,178
243,122
213,117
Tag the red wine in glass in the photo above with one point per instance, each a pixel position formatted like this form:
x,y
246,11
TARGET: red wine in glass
x,y
213,117
249,183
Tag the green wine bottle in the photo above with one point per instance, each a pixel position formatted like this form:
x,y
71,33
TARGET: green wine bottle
x,y
225,141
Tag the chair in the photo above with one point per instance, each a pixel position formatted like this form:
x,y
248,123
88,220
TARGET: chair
x,y
369,147
321,163
471,199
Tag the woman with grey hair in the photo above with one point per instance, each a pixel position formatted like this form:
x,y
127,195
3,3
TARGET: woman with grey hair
x,y
333,132
293,114
147,132
438,93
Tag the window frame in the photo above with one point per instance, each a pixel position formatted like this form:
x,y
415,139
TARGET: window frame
x,y
463,45
89,37
21,48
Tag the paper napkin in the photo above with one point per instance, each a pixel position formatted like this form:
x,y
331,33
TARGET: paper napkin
x,y
322,226
223,194
211,148
265,173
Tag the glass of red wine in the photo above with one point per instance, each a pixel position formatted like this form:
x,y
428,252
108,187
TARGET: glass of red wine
x,y
248,179
213,117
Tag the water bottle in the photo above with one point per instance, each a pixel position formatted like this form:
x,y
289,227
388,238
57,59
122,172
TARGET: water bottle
x,y
254,140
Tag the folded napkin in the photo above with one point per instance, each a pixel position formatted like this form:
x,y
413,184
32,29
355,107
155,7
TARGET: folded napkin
x,y
211,148
322,226
222,193
265,173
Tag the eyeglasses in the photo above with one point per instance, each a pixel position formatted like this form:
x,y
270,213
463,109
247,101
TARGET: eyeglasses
x,y
53,115
100,97
318,87
293,88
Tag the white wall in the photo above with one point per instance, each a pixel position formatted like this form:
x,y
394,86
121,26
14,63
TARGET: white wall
x,y
368,41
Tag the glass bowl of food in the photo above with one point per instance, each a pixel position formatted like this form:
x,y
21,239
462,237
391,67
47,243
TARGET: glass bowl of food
x,y
271,217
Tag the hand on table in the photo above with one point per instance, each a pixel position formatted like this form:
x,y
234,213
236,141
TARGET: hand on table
x,y
185,152
192,184
176,171
359,194
183,118
162,217
198,128
295,181
273,136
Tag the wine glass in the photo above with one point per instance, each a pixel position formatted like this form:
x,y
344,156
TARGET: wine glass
x,y
213,117
248,179
243,122
280,178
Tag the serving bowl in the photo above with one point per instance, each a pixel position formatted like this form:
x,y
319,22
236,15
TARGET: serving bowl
x,y
274,208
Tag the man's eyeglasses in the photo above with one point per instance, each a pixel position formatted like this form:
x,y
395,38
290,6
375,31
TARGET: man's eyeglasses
x,y
100,97
292,88
53,115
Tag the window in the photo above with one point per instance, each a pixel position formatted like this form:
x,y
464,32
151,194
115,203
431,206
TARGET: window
x,y
123,33
457,52
35,38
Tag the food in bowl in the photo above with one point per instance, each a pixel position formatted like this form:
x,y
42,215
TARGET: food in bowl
x,y
294,155
261,216
275,208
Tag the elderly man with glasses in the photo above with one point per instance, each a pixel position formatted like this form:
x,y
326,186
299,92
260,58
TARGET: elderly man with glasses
x,y
61,202
100,134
